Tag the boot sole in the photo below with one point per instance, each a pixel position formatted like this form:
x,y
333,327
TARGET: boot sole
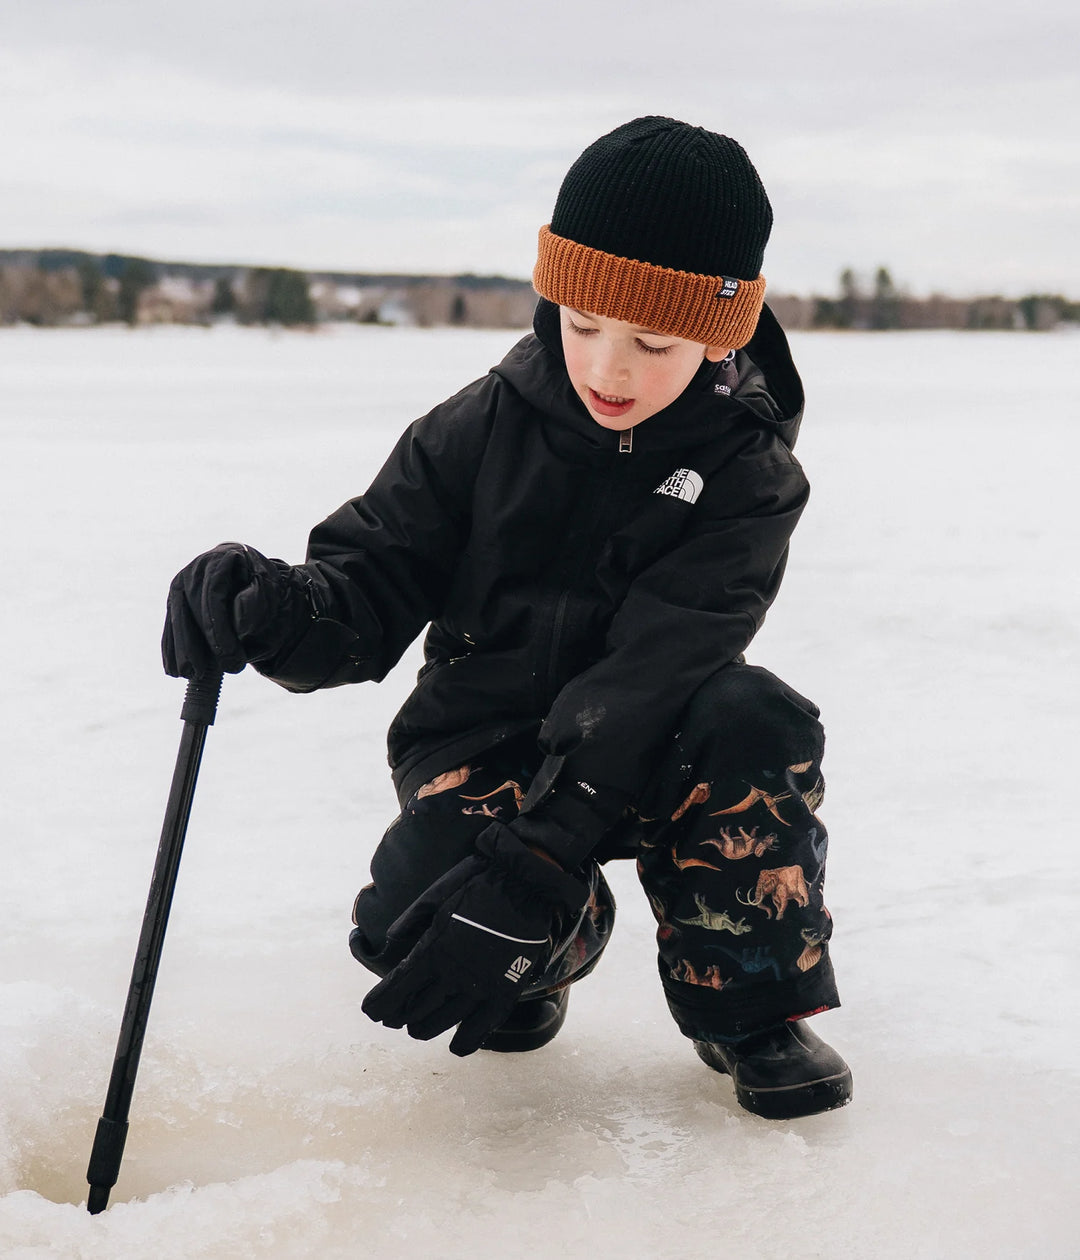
x,y
794,1101
785,1102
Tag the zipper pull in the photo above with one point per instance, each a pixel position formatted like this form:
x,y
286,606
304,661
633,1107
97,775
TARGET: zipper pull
x,y
626,441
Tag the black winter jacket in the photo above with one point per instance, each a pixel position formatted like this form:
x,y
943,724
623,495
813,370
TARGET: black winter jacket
x,y
569,586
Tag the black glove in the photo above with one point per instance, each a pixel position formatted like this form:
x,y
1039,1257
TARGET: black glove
x,y
230,606
469,942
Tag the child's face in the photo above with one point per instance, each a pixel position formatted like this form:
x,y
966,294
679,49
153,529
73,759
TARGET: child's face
x,y
624,374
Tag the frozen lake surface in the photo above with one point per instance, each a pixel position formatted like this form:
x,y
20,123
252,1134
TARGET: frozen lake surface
x,y
931,609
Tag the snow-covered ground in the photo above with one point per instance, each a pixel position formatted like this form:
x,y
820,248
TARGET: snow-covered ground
x,y
931,608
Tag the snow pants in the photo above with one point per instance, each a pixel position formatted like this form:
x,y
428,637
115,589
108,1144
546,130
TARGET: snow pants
x,y
728,845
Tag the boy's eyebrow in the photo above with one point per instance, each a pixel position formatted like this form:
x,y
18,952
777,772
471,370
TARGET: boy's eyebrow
x,y
649,332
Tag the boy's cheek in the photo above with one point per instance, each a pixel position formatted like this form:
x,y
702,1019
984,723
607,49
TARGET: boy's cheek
x,y
575,364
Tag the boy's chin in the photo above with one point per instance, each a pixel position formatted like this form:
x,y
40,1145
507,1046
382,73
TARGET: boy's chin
x,y
617,424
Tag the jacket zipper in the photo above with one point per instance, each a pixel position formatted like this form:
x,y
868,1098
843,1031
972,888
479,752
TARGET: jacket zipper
x,y
558,621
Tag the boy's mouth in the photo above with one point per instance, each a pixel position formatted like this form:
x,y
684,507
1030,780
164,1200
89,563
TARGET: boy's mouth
x,y
609,404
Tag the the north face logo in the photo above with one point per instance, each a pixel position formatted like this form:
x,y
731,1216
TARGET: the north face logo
x,y
683,484
518,968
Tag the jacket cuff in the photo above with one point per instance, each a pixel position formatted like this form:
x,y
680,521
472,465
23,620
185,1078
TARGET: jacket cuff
x,y
565,817
315,658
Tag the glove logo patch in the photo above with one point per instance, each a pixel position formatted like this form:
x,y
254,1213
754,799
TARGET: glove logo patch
x,y
518,968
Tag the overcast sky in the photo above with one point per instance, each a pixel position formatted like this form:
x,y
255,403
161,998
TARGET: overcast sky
x,y
939,139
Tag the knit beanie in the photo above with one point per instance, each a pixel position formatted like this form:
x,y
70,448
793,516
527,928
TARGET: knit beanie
x,y
662,225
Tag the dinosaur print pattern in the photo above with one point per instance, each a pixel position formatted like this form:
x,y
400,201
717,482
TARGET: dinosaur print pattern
x,y
771,801
782,884
451,780
698,796
743,845
712,921
744,860
445,782
812,954
510,785
753,960
709,977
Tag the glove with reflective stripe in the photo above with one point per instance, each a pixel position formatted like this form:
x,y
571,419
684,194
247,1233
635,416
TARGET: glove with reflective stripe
x,y
230,606
469,941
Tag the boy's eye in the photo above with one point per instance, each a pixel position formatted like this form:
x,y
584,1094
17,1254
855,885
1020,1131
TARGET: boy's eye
x,y
641,345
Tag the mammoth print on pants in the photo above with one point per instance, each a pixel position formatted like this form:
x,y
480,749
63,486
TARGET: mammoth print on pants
x,y
782,884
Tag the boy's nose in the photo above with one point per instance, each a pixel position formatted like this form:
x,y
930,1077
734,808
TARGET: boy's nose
x,y
610,366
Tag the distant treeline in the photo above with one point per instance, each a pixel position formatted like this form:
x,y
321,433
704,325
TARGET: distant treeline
x,y
55,287
880,304
63,287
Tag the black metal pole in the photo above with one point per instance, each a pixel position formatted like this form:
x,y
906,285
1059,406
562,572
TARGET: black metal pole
x,y
200,706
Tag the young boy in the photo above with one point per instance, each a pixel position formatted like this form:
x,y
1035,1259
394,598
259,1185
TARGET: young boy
x,y
592,534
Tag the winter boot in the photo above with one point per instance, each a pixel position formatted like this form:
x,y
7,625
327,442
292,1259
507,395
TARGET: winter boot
x,y
783,1072
532,1024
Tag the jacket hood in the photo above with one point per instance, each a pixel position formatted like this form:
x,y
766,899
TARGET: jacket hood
x,y
765,389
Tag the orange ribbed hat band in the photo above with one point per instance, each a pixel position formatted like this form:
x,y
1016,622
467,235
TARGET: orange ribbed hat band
x,y
713,310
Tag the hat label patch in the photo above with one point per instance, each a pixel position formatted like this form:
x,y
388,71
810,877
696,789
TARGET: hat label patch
x,y
730,288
